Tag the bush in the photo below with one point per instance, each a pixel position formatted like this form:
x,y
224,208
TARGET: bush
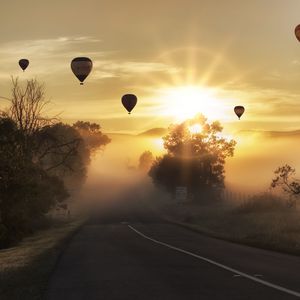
x,y
25,198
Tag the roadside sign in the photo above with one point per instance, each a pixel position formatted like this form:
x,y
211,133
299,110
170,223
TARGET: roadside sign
x,y
181,194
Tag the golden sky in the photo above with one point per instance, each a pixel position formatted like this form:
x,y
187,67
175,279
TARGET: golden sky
x,y
179,57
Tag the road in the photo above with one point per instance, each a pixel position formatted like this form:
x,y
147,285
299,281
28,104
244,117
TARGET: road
x,y
130,253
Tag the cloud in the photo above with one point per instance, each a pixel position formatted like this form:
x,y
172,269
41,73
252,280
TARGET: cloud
x,y
53,56
296,62
114,68
41,47
272,134
143,67
273,76
46,56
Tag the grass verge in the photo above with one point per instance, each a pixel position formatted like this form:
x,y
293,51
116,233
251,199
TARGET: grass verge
x,y
26,268
275,230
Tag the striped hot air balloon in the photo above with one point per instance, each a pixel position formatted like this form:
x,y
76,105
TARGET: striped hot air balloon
x,y
81,67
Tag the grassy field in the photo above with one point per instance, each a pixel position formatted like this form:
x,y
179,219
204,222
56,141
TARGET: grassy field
x,y
274,229
25,269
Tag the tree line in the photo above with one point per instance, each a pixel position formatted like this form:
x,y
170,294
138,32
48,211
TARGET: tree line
x,y
41,158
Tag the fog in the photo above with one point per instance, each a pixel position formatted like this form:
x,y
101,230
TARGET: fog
x,y
113,173
256,157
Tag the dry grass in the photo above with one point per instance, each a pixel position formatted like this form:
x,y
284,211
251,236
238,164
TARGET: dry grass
x,y
265,202
25,269
275,229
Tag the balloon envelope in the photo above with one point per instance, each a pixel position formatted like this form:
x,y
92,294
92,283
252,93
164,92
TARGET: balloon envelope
x,y
129,102
297,32
23,63
81,67
239,110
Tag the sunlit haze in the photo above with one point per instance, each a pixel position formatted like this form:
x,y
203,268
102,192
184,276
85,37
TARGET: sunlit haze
x,y
179,57
150,149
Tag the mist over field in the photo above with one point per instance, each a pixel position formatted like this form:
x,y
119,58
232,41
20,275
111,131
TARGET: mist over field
x,y
150,150
257,155
114,171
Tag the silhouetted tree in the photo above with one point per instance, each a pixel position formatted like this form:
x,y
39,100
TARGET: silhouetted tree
x,y
38,156
60,149
92,135
28,104
63,152
145,161
285,180
195,158
27,192
57,148
84,126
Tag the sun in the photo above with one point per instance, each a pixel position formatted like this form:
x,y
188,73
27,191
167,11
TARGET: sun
x,y
195,129
184,102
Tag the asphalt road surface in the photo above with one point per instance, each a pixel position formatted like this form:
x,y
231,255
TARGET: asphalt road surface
x,y
130,253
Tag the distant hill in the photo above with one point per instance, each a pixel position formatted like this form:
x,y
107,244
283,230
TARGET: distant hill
x,y
159,132
120,134
273,134
154,132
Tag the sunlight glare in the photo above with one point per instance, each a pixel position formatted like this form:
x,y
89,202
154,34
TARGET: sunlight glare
x,y
195,129
159,143
185,102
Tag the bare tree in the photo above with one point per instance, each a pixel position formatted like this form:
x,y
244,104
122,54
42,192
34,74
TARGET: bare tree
x,y
28,106
42,137
56,145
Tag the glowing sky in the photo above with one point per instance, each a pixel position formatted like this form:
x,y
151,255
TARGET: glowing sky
x,y
235,51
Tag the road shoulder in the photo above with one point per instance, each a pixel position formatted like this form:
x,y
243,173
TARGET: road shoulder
x,y
26,268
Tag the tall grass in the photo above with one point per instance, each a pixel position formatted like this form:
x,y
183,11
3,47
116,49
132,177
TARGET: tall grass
x,y
265,202
264,220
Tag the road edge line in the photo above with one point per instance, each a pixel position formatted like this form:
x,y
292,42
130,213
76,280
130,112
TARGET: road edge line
x,y
232,270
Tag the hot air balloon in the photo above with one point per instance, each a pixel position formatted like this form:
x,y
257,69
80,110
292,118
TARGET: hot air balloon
x,y
23,63
129,102
297,32
239,110
81,67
